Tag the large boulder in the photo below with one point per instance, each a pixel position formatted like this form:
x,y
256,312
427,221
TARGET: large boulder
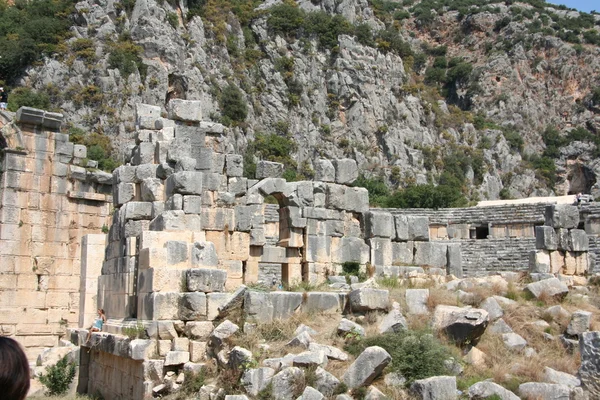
x,y
561,378
368,366
546,391
552,287
580,322
435,388
484,390
368,299
286,382
325,382
462,325
347,327
589,371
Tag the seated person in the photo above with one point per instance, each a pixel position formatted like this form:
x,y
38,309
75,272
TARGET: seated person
x,y
98,323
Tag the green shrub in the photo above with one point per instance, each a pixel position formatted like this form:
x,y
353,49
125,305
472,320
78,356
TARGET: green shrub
x,y
514,139
351,268
136,331
85,49
99,148
233,105
415,354
125,56
378,190
173,19
25,97
285,19
428,196
58,377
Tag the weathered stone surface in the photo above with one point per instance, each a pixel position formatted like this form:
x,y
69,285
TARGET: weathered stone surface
x,y
561,378
374,394
285,304
549,287
346,170
176,220
579,240
332,353
486,389
142,349
268,169
545,238
234,165
454,260
435,388
580,323
285,383
225,330
185,110
539,262
302,339
589,347
514,341
234,302
324,170
323,302
433,254
311,394
325,382
199,330
258,306
348,327
418,228
557,313
499,327
462,325
185,182
51,356
192,306
546,391
475,357
367,299
304,328
205,280
367,367
309,358
256,379
562,216
240,358
379,224
176,358
492,307
204,254
416,301
394,321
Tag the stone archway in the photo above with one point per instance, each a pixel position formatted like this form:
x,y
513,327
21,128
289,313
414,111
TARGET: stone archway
x,y
581,179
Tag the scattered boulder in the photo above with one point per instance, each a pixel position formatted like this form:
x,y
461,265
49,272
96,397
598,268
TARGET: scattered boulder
x,y
561,378
416,301
308,359
492,307
348,327
546,391
374,394
589,346
303,328
301,340
394,321
257,379
499,327
219,334
311,394
325,382
552,287
368,299
580,323
368,366
462,325
557,313
332,353
435,388
514,341
394,379
286,383
484,390
239,358
475,357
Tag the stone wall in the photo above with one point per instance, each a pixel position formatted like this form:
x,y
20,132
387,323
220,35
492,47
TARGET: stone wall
x,y
482,257
48,201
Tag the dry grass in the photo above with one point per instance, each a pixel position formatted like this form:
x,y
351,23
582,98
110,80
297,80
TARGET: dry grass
x,y
439,296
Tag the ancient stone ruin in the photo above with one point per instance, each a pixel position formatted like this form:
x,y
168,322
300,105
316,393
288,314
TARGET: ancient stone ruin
x,y
189,232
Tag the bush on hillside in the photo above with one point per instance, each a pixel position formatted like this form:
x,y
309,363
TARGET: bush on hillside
x,y
233,105
25,97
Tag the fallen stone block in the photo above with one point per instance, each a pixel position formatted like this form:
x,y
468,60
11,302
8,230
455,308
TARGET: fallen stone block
x,y
435,388
310,359
240,358
332,353
367,299
199,330
462,325
347,327
560,378
256,379
492,307
394,321
514,341
367,367
285,383
486,389
546,391
552,287
416,301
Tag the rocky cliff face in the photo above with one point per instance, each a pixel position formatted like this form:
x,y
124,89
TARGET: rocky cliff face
x,y
355,100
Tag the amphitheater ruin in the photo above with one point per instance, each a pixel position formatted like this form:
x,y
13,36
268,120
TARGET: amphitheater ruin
x,y
170,240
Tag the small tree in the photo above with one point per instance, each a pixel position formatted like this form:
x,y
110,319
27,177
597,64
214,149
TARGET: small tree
x,y
233,105
58,377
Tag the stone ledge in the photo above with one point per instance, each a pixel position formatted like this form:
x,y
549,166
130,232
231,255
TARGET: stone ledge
x,y
90,196
35,116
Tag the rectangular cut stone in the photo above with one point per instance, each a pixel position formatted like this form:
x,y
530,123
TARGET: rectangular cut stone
x,y
557,262
454,261
213,302
431,253
324,302
562,216
318,249
192,306
185,110
234,165
230,246
218,219
579,240
402,252
185,182
401,228
539,261
205,280
197,351
418,228
379,224
349,249
545,238
564,239
381,251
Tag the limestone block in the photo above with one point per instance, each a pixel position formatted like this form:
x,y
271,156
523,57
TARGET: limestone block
x,y
454,260
142,349
346,171
79,151
589,345
549,287
218,219
268,169
160,306
143,154
285,304
192,204
186,182
368,299
200,330
379,224
324,170
579,240
318,249
324,302
197,351
244,216
418,228
124,193
367,367
416,301
564,239
146,110
545,238
462,325
381,251
234,165
258,306
431,253
205,280
192,306
436,387
214,301
174,202
177,358
185,110
230,246
136,210
176,221
539,261
356,199
159,280
562,216
557,261
257,237
214,181
237,186
402,252
401,228
204,254
349,249
152,189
